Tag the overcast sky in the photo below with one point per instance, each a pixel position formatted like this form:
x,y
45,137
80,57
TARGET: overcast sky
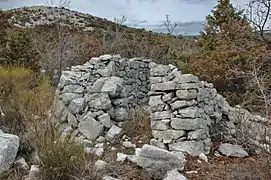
x,y
141,13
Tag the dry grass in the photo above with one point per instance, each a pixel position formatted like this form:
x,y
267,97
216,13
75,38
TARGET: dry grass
x,y
224,168
137,126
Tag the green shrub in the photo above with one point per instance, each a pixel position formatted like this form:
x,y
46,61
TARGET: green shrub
x,y
61,157
18,49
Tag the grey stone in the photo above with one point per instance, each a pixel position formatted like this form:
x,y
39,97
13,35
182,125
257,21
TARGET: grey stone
x,y
186,78
105,57
97,85
9,145
155,80
68,97
186,94
156,103
128,144
64,80
100,139
77,105
121,114
21,163
90,128
160,115
113,86
232,150
105,120
188,86
165,86
167,97
182,104
121,157
121,102
114,134
187,124
72,120
103,72
198,134
168,134
158,144
194,148
159,70
99,165
109,178
190,112
34,173
70,88
174,175
151,157
99,101
160,125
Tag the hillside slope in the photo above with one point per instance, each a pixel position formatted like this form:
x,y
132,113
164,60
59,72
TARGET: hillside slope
x,y
81,36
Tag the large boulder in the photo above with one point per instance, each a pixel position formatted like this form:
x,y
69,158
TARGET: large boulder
x,y
154,158
9,145
90,128
232,150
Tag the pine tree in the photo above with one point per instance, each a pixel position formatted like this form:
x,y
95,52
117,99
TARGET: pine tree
x,y
223,13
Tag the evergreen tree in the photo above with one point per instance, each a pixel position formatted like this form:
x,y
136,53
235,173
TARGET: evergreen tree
x,y
223,13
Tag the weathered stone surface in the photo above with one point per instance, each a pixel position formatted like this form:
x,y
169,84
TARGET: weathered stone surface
x,y
105,120
151,157
186,86
90,128
182,104
158,144
99,101
232,150
159,70
72,120
186,78
194,148
198,134
77,105
174,175
156,103
105,57
9,145
68,97
113,86
70,88
121,114
99,165
186,94
21,163
97,86
64,80
114,134
187,124
190,112
160,125
165,86
167,97
168,134
160,115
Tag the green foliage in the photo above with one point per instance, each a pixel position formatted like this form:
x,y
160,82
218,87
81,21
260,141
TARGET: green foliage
x,y
61,157
17,49
223,13
24,96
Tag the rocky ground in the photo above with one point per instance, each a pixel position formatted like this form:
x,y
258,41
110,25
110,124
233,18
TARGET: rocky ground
x,y
217,168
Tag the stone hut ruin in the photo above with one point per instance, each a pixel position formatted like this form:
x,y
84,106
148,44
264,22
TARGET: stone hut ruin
x,y
94,100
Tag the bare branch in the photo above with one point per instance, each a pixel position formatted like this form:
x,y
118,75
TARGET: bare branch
x,y
169,25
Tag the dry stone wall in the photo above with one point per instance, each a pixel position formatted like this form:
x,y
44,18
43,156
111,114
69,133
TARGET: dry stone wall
x,y
94,100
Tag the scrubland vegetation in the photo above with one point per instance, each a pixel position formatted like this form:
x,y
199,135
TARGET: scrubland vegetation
x,y
232,51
